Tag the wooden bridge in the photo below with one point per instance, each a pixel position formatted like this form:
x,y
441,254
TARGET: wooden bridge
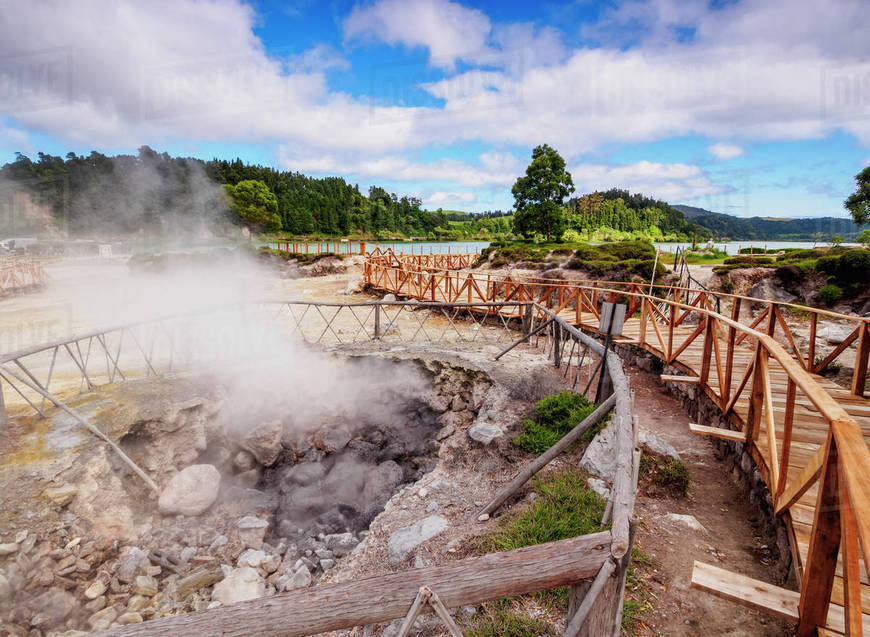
x,y
807,435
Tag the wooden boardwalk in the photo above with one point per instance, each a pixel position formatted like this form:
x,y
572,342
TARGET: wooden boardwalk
x,y
807,435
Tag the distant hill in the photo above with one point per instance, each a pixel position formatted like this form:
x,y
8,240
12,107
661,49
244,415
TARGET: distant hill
x,y
770,228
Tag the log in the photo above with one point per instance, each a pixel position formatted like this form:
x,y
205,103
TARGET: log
x,y
573,627
386,597
623,481
545,458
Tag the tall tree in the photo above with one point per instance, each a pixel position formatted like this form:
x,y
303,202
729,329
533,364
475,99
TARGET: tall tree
x,y
539,194
858,203
255,204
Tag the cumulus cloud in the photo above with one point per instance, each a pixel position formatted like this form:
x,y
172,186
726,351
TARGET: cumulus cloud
x,y
443,199
724,150
449,31
670,182
318,59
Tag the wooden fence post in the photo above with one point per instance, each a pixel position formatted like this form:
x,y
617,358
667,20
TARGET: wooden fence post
x,y
859,376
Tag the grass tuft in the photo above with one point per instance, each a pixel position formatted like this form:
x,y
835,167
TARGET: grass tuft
x,y
668,475
554,417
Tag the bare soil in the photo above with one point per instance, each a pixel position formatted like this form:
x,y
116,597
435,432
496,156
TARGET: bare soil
x,y
730,540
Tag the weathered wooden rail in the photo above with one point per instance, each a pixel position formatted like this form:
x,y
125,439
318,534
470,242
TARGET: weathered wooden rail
x,y
20,274
807,435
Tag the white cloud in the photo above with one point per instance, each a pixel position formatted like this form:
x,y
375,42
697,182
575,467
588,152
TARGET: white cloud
x,y
443,199
491,169
724,150
13,140
318,59
670,182
449,30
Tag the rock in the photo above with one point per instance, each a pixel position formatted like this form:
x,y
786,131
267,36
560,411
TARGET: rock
x,y
145,585
137,602
686,520
340,543
187,554
406,539
445,432
5,589
21,536
332,439
600,456
96,589
301,579
326,564
599,487
200,578
324,554
252,530
654,443
485,432
129,618
244,461
432,507
389,297
241,584
190,491
55,605
218,542
8,548
131,560
95,604
265,443
768,290
101,620
418,562
251,557
62,495
271,563
834,333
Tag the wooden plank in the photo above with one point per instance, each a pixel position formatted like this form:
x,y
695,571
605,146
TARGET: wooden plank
x,y
386,597
717,432
774,600
680,379
851,566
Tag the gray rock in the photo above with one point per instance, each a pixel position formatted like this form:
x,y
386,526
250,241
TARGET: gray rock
x,y
834,333
599,487
191,491
8,548
251,557
239,585
326,564
485,432
101,620
340,543
654,443
244,461
131,560
5,589
768,290
265,443
333,439
600,456
406,539
218,542
61,495
54,605
418,562
688,521
432,507
389,297
144,585
301,579
324,553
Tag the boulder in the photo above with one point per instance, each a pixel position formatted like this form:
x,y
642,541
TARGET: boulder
x,y
265,443
406,539
834,333
600,487
600,456
485,432
332,439
654,443
252,530
241,584
252,558
769,290
191,491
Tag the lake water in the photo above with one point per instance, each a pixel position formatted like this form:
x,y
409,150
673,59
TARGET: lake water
x,y
734,247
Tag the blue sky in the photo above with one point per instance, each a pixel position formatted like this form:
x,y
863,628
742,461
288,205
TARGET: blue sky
x,y
748,107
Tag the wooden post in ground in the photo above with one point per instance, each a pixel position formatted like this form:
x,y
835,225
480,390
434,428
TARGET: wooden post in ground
x,y
859,376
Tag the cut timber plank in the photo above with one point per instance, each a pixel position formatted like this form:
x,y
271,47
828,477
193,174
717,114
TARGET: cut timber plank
x,y
680,379
776,601
771,599
717,432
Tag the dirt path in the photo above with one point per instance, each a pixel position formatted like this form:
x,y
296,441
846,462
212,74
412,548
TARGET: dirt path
x,y
729,540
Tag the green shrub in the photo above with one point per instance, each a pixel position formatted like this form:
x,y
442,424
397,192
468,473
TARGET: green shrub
x,y
748,261
554,417
852,266
829,294
727,285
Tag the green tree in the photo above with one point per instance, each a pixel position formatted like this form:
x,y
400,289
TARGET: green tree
x,y
539,194
864,237
255,205
858,203
836,240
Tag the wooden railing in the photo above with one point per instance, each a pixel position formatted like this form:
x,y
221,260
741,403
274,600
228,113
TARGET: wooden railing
x,y
828,451
413,261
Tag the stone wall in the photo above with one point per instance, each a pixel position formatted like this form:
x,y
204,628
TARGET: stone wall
x,y
735,455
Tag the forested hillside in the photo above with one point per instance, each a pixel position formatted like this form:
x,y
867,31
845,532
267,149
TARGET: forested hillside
x,y
96,194
627,213
771,228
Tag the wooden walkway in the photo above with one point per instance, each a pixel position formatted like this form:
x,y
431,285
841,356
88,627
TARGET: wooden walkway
x,y
807,435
